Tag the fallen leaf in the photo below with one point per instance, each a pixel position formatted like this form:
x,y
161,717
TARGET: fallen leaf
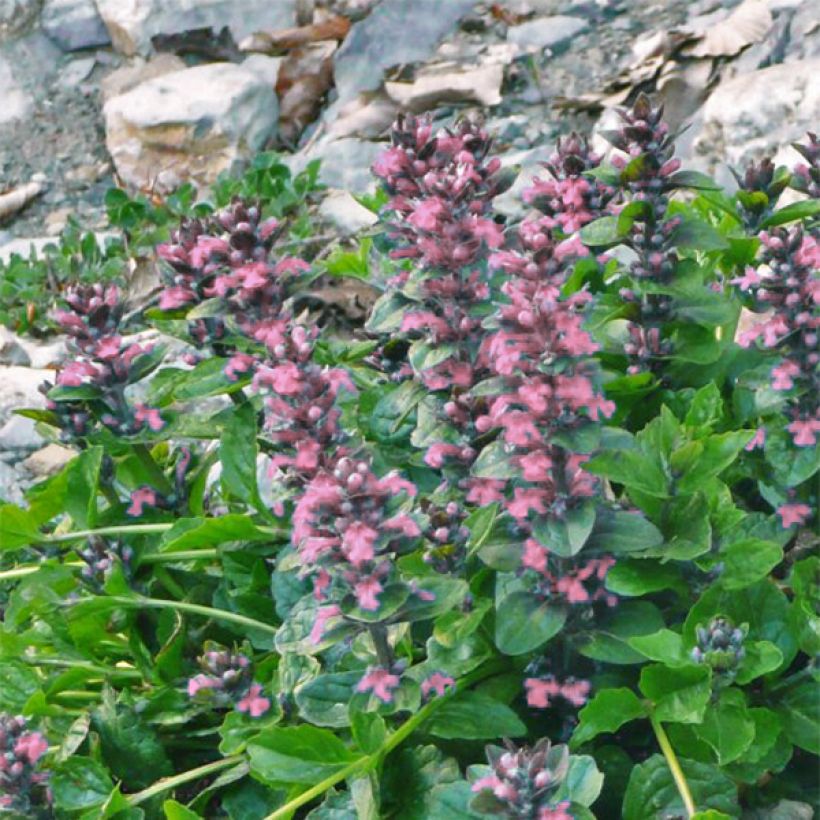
x,y
747,24
270,42
449,83
304,78
202,42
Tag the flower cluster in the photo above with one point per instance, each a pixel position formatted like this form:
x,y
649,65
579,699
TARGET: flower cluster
x,y
759,187
445,536
806,177
23,789
227,681
646,179
720,646
101,556
786,286
570,199
347,534
300,412
104,364
227,256
523,782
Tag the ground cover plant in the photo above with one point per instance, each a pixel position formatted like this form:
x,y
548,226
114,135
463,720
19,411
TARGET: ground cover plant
x,y
538,541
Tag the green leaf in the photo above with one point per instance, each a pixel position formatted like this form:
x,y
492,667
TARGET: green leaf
x,y
727,726
632,469
194,533
480,524
652,793
603,231
238,728
474,716
83,481
608,710
609,640
524,623
582,783
17,528
664,646
297,754
678,695
494,462
619,531
369,730
176,811
350,263
79,783
796,210
698,235
639,577
18,682
748,561
323,701
694,179
706,408
238,454
800,710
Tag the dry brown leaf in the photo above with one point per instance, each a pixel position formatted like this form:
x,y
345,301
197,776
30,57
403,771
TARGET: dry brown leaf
x,y
449,83
270,42
304,78
507,16
747,24
683,87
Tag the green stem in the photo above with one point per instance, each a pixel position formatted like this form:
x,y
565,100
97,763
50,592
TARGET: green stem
x,y
168,783
154,470
364,764
674,766
194,609
156,558
165,578
132,529
70,663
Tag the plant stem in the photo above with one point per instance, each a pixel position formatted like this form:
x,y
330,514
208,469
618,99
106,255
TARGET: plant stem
x,y
142,452
167,783
674,766
194,609
88,667
131,529
378,633
165,578
182,555
364,764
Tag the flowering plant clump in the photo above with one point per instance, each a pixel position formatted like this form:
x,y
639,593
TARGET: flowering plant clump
x,y
558,492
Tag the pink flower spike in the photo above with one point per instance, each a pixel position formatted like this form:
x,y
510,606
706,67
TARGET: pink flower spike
x,y
142,497
793,514
804,431
253,703
576,692
358,543
404,524
367,591
198,682
381,682
783,375
437,684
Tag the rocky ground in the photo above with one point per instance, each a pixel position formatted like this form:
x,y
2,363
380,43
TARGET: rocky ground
x,y
151,93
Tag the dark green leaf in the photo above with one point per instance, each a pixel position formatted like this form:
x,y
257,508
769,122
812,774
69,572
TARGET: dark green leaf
x,y
607,712
80,783
678,695
525,622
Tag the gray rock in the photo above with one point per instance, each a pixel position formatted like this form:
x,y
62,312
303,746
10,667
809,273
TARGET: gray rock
x,y
345,162
74,24
12,350
545,32
18,433
342,211
753,114
49,460
395,32
132,24
139,71
16,16
76,71
19,388
265,67
189,125
17,103
11,489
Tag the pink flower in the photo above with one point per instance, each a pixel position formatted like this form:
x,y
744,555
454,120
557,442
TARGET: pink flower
x,y
490,781
323,615
404,524
30,746
536,466
108,348
426,214
149,416
381,682
239,363
793,514
757,440
557,812
540,691
176,297
395,484
142,497
366,592
576,692
358,543
525,500
436,683
534,556
202,682
483,491
804,431
253,703
749,279
436,453
783,375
